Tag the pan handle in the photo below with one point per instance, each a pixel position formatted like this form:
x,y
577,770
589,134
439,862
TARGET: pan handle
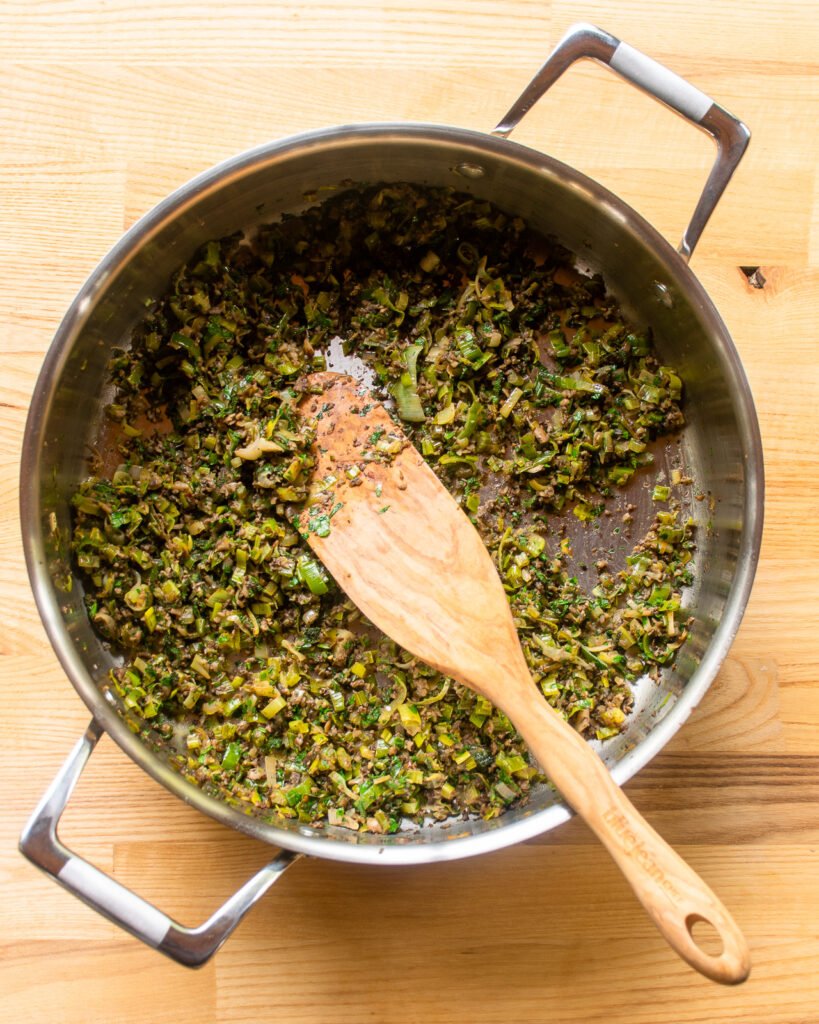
x,y
587,42
191,947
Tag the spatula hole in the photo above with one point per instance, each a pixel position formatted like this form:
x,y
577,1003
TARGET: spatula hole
x,y
704,934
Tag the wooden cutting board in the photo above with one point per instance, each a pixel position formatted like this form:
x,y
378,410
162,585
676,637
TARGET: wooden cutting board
x,y
106,106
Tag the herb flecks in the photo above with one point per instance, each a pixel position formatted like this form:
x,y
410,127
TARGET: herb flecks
x,y
527,392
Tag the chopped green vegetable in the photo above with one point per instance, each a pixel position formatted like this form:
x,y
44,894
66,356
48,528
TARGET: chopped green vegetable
x,y
529,395
312,573
231,757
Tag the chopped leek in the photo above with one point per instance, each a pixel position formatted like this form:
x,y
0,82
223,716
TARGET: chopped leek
x,y
533,400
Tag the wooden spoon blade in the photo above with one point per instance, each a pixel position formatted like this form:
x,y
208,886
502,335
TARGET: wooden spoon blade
x,y
398,544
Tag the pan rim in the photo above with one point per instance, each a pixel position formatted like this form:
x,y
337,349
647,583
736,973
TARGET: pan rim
x,y
402,848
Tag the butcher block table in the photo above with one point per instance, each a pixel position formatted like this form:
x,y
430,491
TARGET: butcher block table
x,y
105,107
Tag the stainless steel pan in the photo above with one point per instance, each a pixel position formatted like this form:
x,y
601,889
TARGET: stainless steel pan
x,y
720,446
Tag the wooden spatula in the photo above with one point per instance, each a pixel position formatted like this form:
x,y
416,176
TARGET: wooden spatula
x,y
398,544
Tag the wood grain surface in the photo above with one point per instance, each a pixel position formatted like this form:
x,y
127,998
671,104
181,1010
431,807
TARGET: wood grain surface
x,y
105,106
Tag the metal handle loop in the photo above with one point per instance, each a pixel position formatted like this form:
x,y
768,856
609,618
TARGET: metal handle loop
x,y
191,947
587,42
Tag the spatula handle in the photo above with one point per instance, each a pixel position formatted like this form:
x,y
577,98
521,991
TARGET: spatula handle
x,y
673,894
